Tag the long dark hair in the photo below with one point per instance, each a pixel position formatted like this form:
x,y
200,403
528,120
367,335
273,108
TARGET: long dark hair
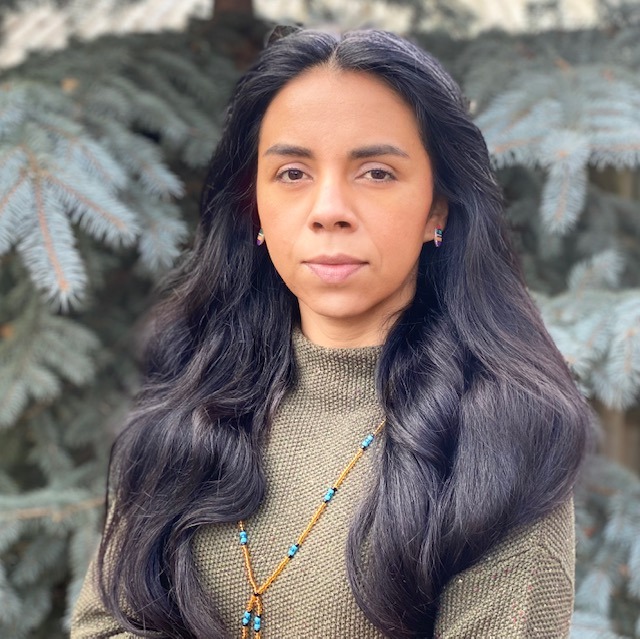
x,y
485,429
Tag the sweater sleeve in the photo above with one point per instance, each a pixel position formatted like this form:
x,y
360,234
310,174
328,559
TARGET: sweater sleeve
x,y
90,619
523,588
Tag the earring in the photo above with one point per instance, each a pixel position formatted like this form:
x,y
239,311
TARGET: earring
x,y
260,238
438,237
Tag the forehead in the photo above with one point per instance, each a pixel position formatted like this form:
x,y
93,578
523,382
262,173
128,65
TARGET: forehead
x,y
325,107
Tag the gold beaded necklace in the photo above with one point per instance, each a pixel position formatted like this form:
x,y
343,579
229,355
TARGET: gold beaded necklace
x,y
254,605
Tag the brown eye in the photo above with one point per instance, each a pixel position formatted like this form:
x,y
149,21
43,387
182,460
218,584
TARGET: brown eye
x,y
291,175
380,175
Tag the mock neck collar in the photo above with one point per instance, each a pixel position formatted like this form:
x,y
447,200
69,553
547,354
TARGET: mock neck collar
x,y
341,376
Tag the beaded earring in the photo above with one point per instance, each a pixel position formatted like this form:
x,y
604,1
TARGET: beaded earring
x,y
438,237
260,238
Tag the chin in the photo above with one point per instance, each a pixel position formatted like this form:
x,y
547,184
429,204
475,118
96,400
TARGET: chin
x,y
340,313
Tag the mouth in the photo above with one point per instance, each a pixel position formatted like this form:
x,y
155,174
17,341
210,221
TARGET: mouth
x,y
333,269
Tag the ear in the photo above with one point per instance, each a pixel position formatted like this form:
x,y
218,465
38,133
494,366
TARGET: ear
x,y
437,218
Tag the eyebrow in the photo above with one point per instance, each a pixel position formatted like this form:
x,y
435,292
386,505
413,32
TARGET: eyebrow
x,y
288,149
356,154
377,149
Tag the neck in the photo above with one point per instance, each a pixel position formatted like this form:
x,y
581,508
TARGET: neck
x,y
360,329
333,333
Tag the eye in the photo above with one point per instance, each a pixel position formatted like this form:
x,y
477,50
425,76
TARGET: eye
x,y
290,175
380,175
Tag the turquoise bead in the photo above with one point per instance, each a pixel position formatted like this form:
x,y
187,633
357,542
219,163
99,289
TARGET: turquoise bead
x,y
256,623
366,442
243,537
329,494
246,618
293,550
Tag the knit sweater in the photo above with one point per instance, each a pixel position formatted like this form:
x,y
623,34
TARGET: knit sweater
x,y
522,589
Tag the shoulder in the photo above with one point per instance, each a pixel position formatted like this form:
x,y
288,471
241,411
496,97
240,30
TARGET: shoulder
x,y
522,588
552,536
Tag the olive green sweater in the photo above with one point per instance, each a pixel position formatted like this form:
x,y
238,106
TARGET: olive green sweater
x,y
522,589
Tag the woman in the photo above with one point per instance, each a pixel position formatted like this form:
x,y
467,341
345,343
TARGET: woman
x,y
358,427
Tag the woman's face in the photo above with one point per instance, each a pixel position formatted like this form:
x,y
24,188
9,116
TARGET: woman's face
x,y
345,200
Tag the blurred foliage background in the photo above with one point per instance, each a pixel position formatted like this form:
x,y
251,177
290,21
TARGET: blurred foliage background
x,y
103,147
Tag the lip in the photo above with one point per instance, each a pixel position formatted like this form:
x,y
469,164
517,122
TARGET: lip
x,y
339,258
333,269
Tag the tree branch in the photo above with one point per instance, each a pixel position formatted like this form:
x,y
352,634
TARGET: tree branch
x,y
52,512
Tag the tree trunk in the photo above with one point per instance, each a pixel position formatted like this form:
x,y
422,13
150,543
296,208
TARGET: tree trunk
x,y
244,7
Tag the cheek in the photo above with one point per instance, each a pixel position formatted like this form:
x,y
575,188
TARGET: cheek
x,y
280,250
400,229
403,264
270,219
282,223
275,213
399,244
279,242
397,260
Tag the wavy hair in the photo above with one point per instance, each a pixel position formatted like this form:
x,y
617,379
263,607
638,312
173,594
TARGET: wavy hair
x,y
485,428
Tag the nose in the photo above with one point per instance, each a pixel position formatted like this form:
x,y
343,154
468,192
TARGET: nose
x,y
331,208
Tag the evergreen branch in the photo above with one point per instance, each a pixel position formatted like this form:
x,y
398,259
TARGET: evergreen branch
x,y
183,73
105,101
118,223
11,192
595,626
596,588
507,147
12,106
49,453
515,119
634,569
621,381
63,284
53,513
41,554
143,159
562,200
8,225
159,181
39,349
14,394
78,143
563,197
608,112
616,148
8,155
601,270
597,331
163,234
628,365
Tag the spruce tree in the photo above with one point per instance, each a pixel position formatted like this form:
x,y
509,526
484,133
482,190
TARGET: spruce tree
x,y
102,154
559,110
